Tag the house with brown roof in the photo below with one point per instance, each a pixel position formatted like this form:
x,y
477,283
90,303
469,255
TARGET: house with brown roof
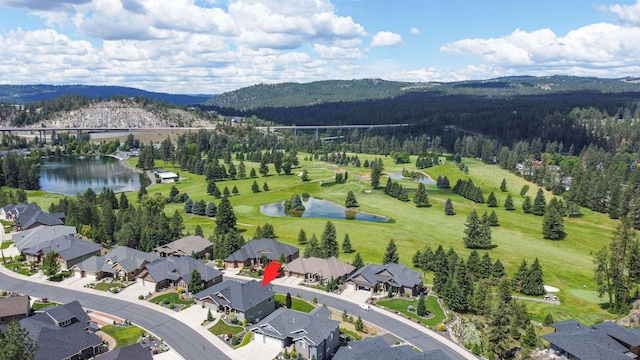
x,y
397,277
69,251
121,263
175,271
248,300
14,307
187,246
313,269
255,252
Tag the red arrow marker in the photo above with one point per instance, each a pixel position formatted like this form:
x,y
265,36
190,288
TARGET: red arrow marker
x,y
270,272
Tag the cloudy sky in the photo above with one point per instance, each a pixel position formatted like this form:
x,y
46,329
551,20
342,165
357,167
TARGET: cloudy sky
x,y
212,46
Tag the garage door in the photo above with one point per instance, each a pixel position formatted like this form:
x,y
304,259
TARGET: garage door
x,y
351,286
272,341
258,337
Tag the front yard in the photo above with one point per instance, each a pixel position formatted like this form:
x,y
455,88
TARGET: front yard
x,y
221,328
22,268
296,303
402,305
107,286
123,335
172,301
5,245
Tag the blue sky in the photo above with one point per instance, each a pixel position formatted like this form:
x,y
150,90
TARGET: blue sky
x,y
212,46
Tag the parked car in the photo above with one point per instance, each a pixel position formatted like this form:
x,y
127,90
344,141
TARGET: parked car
x,y
365,307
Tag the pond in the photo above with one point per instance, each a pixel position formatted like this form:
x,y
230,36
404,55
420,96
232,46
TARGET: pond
x,y
420,177
318,208
70,175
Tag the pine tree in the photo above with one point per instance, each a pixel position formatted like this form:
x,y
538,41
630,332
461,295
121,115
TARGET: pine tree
x,y
346,245
493,219
421,308
173,193
508,203
225,217
473,265
497,270
16,344
491,200
421,198
448,208
553,222
305,175
226,192
518,280
124,202
357,261
195,285
530,339
264,168
255,187
376,172
50,266
235,190
445,182
198,231
391,253
484,268
526,205
265,187
329,242
312,249
477,233
359,324
503,185
539,203
252,173
188,205
242,170
351,201
534,282
302,237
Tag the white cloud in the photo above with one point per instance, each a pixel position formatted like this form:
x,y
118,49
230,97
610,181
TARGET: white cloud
x,y
627,14
336,52
415,31
387,39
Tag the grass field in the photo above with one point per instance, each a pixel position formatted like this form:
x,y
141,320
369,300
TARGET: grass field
x,y
401,305
5,245
124,336
296,303
174,298
103,286
567,264
220,328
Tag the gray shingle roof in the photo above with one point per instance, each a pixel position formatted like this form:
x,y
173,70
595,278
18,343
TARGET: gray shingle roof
x,y
180,267
619,333
129,259
255,249
185,246
32,213
588,344
569,326
398,275
239,295
66,246
56,342
313,327
326,268
376,348
32,237
131,352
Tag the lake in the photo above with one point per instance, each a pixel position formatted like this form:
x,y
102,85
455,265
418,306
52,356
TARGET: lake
x,y
318,208
425,179
71,175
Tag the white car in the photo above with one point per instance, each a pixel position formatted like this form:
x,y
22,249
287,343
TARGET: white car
x,y
365,307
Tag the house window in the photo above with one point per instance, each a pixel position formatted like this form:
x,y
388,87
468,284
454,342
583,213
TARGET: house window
x,y
302,344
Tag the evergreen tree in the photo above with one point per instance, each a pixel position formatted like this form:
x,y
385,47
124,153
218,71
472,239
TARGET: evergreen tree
x,y
195,285
188,206
225,217
305,175
391,253
482,297
473,265
526,205
329,242
445,182
497,270
173,194
252,173
124,202
16,344
477,233
235,190
198,207
539,203
503,185
493,219
439,182
242,170
553,222
265,187
530,339
302,237
359,324
50,266
508,203
524,190
421,198
448,208
346,245
264,168
376,172
484,267
351,201
313,248
211,209
226,192
464,282
212,188
521,275
176,226
255,187
534,283
198,231
357,261
421,308
503,290
287,301
491,200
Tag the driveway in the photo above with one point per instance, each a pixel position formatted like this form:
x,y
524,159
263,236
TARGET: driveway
x,y
255,350
288,280
356,296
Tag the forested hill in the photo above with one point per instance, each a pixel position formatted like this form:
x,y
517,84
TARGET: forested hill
x,y
332,91
19,94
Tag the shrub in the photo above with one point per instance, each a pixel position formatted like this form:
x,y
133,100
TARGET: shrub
x,y
180,290
166,301
442,327
232,318
172,306
140,297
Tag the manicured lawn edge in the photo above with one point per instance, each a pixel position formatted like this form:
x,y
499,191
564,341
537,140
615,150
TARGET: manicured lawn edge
x,y
400,305
221,328
296,303
124,336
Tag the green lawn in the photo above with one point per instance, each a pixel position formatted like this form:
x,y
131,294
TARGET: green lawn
x,y
245,340
174,298
296,303
103,286
5,245
39,305
401,305
124,336
352,335
220,328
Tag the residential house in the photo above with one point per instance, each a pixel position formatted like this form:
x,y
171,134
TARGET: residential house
x,y
255,251
29,216
187,246
30,238
313,269
122,263
376,348
175,271
131,352
606,340
314,334
69,251
397,277
14,306
63,333
248,300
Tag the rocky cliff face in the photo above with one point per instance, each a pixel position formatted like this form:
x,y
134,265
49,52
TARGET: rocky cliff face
x,y
116,114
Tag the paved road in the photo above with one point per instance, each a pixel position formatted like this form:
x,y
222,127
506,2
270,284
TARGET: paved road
x,y
184,340
419,339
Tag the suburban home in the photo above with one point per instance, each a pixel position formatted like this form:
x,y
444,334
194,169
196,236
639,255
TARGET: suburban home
x,y
187,246
14,306
175,271
131,352
247,299
30,238
62,332
166,176
376,348
314,334
69,251
397,277
122,263
313,269
606,340
254,251
29,216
